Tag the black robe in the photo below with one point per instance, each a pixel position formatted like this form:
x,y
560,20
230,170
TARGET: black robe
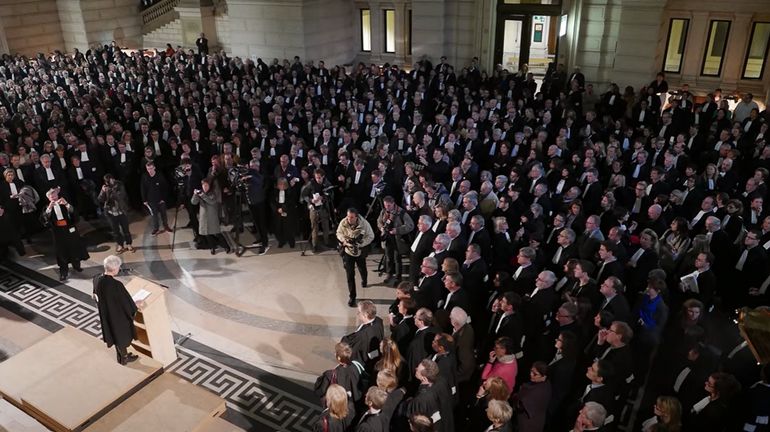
x,y
67,242
116,311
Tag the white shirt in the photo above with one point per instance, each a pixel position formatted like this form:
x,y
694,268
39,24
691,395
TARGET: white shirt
x,y
416,241
14,191
49,174
57,210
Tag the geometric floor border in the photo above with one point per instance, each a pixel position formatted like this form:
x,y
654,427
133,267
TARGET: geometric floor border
x,y
257,400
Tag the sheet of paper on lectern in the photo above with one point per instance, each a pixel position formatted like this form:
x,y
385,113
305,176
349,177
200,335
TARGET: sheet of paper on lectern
x,y
141,295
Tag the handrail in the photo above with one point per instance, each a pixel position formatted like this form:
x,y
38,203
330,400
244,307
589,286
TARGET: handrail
x,y
158,10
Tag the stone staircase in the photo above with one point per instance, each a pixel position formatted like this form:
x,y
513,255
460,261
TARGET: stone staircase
x,y
161,25
170,33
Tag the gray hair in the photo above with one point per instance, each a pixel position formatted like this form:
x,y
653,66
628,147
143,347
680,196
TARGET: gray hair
x,y
427,220
458,315
595,413
112,264
443,239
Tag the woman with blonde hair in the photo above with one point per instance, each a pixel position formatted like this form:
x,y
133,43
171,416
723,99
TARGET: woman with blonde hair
x,y
390,359
339,413
450,265
492,389
668,416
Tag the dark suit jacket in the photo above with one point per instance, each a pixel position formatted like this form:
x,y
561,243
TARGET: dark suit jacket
x,y
614,268
592,198
430,291
365,342
423,249
419,348
464,344
525,283
403,333
619,308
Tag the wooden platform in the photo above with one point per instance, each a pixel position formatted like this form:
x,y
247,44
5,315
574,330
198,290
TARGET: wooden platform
x,y
13,419
70,378
168,404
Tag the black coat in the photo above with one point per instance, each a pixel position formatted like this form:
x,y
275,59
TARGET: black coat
x,y
116,311
67,242
365,342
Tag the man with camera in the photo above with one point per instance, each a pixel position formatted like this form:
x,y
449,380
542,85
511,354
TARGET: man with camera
x,y
188,178
318,196
354,234
114,199
394,223
255,197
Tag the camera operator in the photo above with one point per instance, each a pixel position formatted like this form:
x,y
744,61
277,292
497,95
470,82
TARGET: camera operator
x,y
317,195
188,178
394,223
114,199
354,234
255,191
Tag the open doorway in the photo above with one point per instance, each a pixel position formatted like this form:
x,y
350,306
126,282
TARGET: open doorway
x,y
527,39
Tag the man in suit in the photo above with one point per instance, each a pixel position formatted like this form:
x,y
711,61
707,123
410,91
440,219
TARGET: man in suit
x,y
203,45
599,390
507,320
750,270
365,341
592,195
419,348
475,274
614,300
588,242
373,419
525,274
421,247
480,236
565,251
456,296
440,248
457,241
430,289
463,335
538,314
705,281
585,286
698,222
403,332
608,263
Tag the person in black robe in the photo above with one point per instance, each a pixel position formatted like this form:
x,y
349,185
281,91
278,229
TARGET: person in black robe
x,y
68,245
427,399
116,310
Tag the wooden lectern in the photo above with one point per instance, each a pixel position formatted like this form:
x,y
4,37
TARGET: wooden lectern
x,y
153,328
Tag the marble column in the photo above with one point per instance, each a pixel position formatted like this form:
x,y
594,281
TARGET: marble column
x,y
3,40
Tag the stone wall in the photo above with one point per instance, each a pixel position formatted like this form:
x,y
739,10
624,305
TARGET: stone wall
x,y
31,26
329,31
108,20
72,26
266,29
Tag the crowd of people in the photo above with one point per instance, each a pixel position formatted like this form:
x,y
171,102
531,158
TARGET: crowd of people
x,y
551,246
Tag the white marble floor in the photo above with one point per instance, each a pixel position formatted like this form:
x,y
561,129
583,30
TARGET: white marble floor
x,y
281,312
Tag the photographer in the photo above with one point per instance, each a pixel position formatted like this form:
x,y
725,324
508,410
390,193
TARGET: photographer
x,y
114,200
354,234
317,195
394,223
208,216
255,193
188,178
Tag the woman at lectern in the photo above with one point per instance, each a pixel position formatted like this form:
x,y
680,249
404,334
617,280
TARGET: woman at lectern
x,y
116,310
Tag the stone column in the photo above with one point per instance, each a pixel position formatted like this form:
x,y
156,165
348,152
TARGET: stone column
x,y
635,53
429,33
697,36
735,53
3,40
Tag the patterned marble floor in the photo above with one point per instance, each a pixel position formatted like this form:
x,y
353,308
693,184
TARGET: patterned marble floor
x,y
256,400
